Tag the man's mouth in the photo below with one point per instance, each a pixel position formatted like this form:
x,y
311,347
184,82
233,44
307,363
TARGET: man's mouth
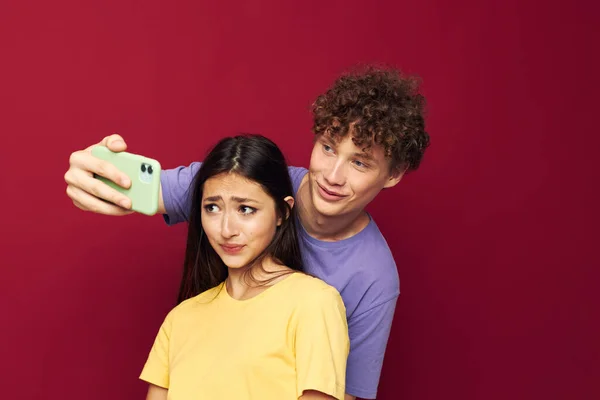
x,y
328,194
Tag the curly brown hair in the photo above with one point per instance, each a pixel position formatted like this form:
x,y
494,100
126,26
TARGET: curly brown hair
x,y
378,106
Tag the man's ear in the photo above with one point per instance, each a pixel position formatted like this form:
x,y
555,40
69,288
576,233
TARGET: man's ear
x,y
395,177
290,201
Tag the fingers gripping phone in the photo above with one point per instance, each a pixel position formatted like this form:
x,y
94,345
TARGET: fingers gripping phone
x,y
144,174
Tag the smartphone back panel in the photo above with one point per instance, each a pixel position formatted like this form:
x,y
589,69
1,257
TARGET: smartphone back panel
x,y
144,174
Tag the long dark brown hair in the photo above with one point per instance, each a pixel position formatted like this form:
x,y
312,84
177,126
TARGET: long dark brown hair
x,y
258,159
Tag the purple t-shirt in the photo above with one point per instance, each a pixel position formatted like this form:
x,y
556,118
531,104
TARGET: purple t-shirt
x,y
361,268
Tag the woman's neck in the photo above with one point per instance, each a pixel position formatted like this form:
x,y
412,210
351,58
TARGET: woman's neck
x,y
245,283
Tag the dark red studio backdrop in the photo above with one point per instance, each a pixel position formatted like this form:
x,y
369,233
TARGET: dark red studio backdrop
x,y
495,236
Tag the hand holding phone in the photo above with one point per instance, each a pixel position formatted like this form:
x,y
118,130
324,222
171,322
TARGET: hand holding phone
x,y
89,194
144,174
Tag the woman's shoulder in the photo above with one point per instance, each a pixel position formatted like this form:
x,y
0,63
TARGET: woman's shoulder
x,y
311,287
309,282
201,298
314,298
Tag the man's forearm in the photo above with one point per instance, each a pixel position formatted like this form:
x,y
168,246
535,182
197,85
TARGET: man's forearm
x,y
161,205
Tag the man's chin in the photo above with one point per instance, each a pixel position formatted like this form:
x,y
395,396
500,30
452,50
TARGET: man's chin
x,y
326,208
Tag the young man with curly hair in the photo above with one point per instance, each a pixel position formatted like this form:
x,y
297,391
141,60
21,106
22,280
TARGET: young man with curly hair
x,y
369,131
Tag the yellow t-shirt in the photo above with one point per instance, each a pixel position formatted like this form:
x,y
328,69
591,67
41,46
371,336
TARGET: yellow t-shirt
x,y
290,338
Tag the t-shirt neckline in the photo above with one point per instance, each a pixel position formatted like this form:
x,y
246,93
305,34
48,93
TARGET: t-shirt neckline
x,y
283,282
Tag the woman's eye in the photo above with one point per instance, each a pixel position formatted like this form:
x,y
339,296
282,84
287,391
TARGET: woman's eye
x,y
211,208
327,148
247,210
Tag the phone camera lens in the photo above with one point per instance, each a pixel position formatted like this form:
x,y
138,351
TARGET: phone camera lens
x,y
149,169
143,168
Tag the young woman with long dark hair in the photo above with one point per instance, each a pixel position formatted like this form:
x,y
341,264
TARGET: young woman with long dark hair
x,y
249,323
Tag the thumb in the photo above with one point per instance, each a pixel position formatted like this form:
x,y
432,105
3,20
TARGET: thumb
x,y
115,143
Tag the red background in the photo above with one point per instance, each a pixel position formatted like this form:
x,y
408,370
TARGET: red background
x,y
495,236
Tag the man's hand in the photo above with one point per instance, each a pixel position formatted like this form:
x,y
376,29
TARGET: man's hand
x,y
90,194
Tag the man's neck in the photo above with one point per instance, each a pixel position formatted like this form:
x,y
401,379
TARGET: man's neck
x,y
326,228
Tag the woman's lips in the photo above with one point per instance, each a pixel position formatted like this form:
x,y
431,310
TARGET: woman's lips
x,y
232,248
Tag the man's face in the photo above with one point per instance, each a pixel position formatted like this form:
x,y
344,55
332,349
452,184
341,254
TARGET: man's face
x,y
343,178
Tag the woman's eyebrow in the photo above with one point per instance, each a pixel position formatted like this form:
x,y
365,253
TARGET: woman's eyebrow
x,y
233,198
243,199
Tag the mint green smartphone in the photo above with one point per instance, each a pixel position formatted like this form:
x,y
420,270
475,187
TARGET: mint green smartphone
x,y
144,174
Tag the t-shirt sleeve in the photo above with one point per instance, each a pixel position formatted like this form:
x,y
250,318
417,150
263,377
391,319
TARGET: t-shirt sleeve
x,y
176,184
296,175
370,332
156,369
322,344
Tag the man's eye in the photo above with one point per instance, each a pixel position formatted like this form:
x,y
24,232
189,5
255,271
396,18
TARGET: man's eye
x,y
327,148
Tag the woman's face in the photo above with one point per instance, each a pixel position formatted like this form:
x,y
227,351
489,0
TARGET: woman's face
x,y
238,217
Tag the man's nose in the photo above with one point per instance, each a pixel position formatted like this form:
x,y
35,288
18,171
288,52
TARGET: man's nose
x,y
336,175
